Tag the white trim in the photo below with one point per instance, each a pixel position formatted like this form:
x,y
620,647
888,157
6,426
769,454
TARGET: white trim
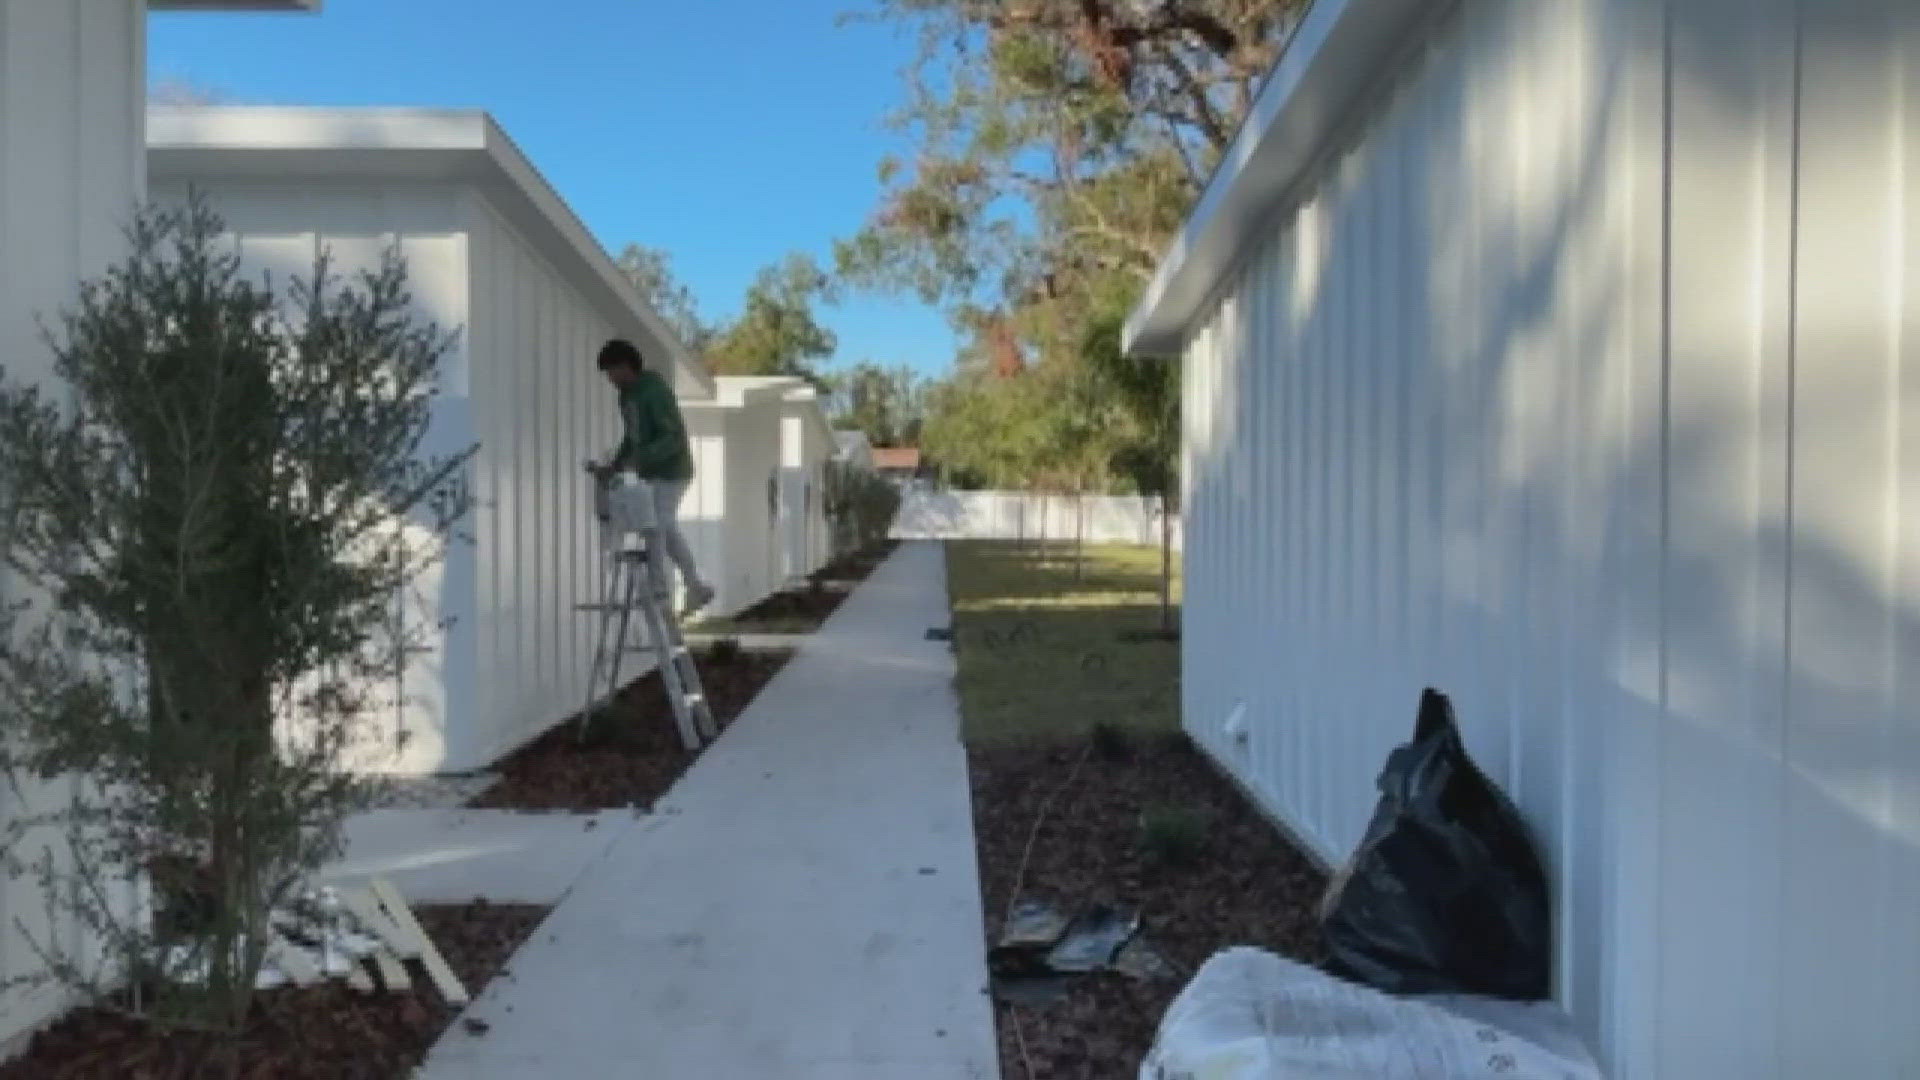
x,y
1331,57
790,388
457,145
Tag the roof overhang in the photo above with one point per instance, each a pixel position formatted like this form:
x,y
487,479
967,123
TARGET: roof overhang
x,y
1333,55
234,5
278,144
787,388
731,392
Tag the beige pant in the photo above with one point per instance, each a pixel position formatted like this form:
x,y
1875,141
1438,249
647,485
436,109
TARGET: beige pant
x,y
666,514
633,506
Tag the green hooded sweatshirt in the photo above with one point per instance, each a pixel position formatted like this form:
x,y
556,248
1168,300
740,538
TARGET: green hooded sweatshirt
x,y
655,446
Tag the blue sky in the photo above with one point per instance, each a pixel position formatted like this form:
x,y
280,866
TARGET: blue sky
x,y
728,132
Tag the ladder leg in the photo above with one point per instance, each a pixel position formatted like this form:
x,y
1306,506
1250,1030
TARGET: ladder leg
x,y
680,659
702,708
629,585
608,597
665,643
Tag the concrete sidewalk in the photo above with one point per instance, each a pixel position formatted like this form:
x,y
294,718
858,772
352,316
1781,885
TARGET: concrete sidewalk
x,y
450,856
804,905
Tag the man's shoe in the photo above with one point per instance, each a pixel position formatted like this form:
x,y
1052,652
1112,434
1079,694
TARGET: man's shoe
x,y
699,595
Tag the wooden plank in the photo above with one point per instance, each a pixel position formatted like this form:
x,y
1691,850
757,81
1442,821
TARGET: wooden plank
x,y
392,972
357,976
294,962
366,908
436,964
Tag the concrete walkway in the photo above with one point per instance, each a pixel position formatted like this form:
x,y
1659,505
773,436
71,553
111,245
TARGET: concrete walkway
x,y
803,906
450,856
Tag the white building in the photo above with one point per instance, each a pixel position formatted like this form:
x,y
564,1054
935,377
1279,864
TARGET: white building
x,y
72,169
807,445
760,444
730,514
494,251
1566,357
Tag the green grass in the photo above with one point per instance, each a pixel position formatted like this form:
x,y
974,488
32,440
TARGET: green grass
x,y
1041,655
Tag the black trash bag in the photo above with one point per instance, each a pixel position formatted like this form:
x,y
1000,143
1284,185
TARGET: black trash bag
x,y
1446,894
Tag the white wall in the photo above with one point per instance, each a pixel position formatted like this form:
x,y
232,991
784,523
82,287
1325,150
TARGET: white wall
x,y
542,408
703,510
805,446
928,513
280,228
1650,521
513,655
71,92
753,459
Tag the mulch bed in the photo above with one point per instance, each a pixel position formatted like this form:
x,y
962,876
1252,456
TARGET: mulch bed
x,y
806,608
801,610
328,1032
856,566
632,752
1240,883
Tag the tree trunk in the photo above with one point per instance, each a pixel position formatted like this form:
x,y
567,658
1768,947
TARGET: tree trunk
x,y
1079,536
1166,566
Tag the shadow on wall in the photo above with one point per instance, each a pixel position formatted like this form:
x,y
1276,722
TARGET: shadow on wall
x,y
1679,629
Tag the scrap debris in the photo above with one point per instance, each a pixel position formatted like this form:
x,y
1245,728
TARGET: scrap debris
x,y
352,933
1042,949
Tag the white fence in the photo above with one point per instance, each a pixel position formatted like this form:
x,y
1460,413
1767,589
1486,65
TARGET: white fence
x,y
929,514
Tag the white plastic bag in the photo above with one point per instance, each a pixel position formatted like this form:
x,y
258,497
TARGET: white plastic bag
x,y
628,509
1248,1014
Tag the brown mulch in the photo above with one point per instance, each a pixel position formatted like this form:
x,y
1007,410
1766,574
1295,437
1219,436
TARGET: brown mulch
x,y
801,610
632,752
807,607
1243,884
327,1032
856,566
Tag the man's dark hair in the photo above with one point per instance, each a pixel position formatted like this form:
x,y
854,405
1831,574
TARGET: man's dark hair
x,y
620,353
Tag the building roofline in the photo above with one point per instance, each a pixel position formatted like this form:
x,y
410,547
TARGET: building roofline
x,y
277,143
789,388
1331,57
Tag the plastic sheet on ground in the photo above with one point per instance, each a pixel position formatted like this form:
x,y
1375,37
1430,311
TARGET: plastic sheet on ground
x,y
1248,1014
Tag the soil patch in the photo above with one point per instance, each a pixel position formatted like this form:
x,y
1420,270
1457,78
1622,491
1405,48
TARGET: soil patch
x,y
1146,823
855,566
793,611
328,1032
806,607
631,754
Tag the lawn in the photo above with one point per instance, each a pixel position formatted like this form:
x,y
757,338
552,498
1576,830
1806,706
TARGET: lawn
x,y
1134,815
1044,655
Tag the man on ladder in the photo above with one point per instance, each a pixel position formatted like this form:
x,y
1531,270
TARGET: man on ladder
x,y
654,448
638,492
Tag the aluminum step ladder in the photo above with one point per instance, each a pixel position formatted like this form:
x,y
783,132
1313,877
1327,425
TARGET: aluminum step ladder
x,y
634,580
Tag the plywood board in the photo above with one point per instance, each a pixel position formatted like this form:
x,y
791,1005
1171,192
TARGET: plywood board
x,y
436,965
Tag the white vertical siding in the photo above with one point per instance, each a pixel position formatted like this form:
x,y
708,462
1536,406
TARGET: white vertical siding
x,y
521,384
71,93
805,446
752,566
1581,382
280,230
703,511
547,410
